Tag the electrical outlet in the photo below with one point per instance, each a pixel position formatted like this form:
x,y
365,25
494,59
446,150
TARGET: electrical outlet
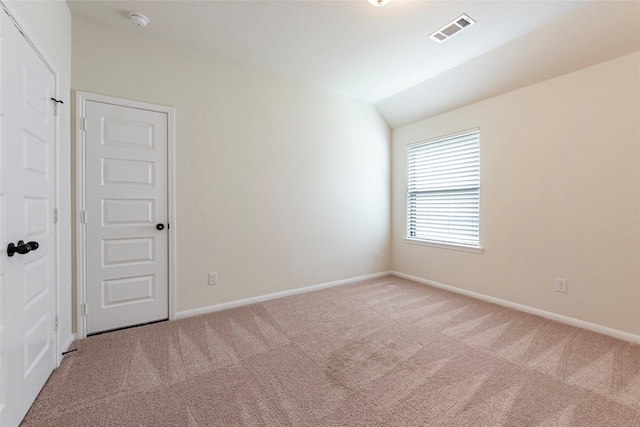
x,y
561,285
376,254
213,278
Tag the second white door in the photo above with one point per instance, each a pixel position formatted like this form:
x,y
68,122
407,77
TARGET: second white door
x,y
126,216
27,224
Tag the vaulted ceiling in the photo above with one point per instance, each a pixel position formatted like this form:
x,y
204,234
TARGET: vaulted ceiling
x,y
383,55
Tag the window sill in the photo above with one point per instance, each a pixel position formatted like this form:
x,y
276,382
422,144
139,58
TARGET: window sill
x,y
477,250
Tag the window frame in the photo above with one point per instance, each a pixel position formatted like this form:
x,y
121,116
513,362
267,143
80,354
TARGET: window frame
x,y
436,243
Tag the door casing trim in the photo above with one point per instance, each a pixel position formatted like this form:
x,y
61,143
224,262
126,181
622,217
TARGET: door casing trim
x,y
80,205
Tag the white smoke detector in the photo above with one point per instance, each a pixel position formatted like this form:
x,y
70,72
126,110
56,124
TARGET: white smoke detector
x,y
378,2
139,19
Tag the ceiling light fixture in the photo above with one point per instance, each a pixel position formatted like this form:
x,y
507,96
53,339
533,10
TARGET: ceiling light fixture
x,y
139,19
378,3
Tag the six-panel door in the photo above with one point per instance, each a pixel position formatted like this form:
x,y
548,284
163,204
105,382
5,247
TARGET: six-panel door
x,y
27,203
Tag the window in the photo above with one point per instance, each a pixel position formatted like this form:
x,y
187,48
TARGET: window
x,y
443,190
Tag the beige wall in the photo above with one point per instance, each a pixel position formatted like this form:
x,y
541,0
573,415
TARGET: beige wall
x,y
279,185
283,186
48,25
560,196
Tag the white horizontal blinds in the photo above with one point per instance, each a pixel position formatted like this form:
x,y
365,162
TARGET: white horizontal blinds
x,y
444,189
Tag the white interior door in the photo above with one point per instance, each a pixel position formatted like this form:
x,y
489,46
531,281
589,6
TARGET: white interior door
x,y
27,204
126,218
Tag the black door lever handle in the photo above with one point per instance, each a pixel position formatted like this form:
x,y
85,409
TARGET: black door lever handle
x,y
21,248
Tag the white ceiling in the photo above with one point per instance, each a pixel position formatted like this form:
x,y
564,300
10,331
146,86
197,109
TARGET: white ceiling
x,y
382,55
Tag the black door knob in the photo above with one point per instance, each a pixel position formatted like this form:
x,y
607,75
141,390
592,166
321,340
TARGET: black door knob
x,y
160,226
21,248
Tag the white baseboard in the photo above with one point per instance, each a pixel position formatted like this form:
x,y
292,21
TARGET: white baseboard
x,y
546,314
70,339
261,298
65,347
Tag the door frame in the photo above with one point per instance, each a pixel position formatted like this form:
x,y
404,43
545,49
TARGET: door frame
x,y
14,16
80,200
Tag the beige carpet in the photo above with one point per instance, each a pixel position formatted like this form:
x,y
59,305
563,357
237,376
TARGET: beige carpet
x,y
385,352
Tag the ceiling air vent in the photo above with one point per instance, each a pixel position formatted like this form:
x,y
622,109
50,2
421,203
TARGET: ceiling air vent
x,y
461,22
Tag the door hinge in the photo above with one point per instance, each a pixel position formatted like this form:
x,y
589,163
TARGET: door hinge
x,y
85,310
55,215
55,323
84,124
83,217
